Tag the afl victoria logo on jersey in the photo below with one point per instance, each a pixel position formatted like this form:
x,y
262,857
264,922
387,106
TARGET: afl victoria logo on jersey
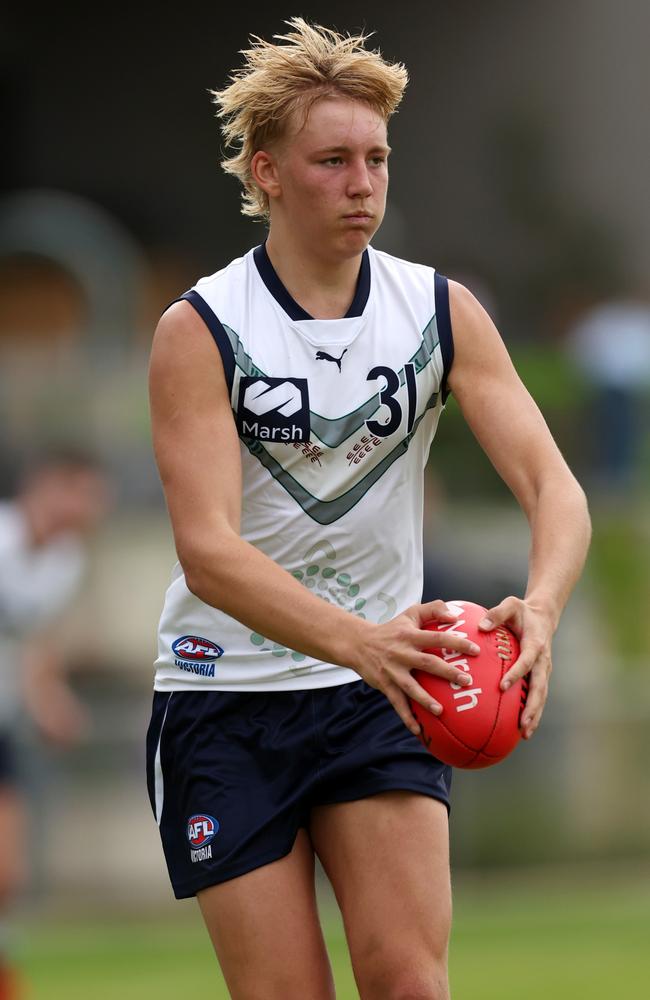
x,y
273,409
194,647
196,655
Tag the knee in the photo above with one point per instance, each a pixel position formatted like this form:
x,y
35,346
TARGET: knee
x,y
410,989
428,981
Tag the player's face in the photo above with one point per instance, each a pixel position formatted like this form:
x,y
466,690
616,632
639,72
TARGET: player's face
x,y
333,176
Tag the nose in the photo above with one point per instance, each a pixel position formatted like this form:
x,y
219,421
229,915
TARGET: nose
x,y
359,185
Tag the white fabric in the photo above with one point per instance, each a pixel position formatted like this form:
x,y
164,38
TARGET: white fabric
x,y
159,780
367,558
36,584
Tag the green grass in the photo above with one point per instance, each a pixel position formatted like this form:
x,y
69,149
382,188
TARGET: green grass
x,y
522,939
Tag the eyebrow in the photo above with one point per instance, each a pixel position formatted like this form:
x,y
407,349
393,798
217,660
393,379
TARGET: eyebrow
x,y
347,149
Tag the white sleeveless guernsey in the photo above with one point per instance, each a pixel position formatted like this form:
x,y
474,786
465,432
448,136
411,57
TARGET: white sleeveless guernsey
x,y
335,420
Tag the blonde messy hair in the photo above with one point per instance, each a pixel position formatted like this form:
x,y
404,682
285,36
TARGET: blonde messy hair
x,y
276,79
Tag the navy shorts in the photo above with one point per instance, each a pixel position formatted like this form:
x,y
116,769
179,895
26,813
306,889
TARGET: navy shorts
x,y
232,777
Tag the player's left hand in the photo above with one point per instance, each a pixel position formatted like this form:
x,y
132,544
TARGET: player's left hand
x,y
534,627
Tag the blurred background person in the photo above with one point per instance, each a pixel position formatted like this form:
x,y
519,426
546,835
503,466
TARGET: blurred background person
x,y
610,346
43,535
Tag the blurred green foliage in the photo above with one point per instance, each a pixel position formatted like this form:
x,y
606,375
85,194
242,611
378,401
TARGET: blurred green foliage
x,y
620,571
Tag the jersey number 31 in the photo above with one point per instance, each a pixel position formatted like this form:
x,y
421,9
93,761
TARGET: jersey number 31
x,y
387,397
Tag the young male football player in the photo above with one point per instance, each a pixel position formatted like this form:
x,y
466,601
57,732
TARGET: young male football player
x,y
295,394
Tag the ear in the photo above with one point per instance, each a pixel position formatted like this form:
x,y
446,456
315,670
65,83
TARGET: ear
x,y
264,171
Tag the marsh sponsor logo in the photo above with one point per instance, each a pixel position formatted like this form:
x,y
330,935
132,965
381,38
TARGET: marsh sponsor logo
x,y
273,409
464,699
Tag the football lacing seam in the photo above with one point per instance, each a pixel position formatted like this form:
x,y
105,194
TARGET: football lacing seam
x,y
503,644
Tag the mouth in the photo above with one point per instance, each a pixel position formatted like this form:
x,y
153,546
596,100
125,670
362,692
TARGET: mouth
x,y
358,216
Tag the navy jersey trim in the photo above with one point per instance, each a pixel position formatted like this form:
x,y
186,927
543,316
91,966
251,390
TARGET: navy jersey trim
x,y
215,327
295,312
362,291
443,322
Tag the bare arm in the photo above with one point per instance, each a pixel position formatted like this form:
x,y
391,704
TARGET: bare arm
x,y
512,432
198,455
59,714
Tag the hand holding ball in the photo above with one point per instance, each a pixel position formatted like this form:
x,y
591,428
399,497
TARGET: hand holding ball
x,y
479,725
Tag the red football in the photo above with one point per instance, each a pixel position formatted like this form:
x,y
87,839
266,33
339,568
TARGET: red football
x,y
479,725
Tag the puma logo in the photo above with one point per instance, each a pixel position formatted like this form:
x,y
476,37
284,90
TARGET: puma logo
x,y
324,356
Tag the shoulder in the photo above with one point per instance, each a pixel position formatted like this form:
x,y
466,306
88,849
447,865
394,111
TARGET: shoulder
x,y
381,260
180,328
186,364
183,355
467,313
412,273
185,313
478,346
184,317
234,273
404,279
213,300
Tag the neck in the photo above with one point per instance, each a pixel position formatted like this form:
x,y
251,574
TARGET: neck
x,y
323,286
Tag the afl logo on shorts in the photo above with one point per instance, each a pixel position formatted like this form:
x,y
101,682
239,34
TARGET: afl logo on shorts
x,y
201,829
196,649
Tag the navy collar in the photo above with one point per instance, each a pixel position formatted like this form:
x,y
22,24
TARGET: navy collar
x,y
296,312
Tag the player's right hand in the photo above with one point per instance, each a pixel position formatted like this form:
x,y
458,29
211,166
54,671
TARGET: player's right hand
x,y
390,652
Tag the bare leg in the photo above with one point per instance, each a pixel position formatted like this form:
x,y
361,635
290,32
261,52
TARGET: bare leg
x,y
13,863
266,933
387,857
